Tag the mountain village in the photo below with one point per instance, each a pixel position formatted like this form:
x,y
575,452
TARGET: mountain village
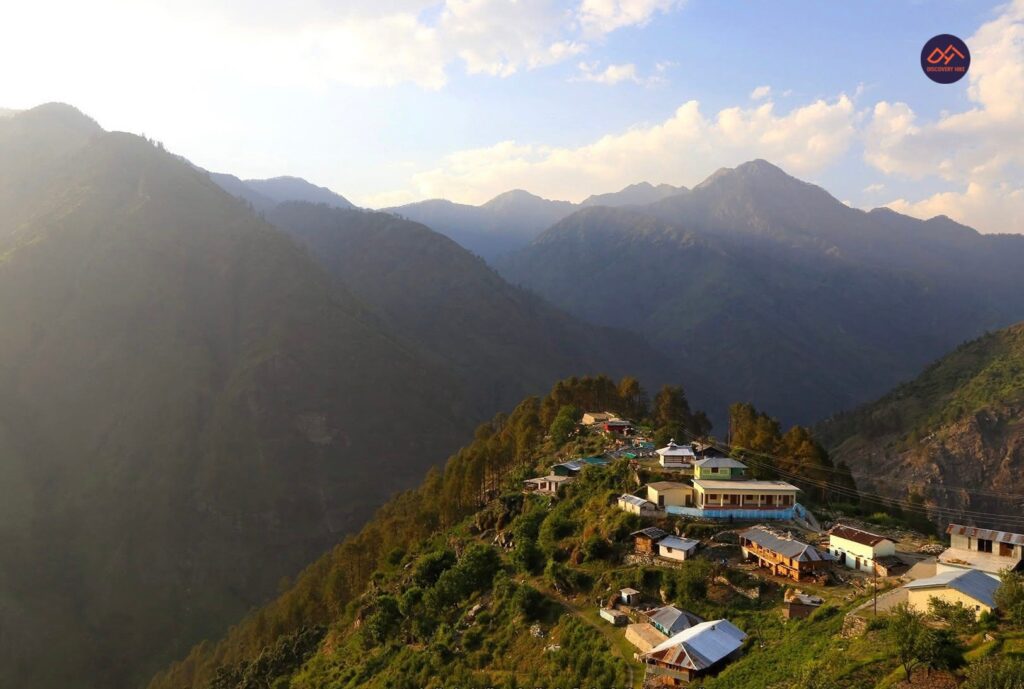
x,y
761,528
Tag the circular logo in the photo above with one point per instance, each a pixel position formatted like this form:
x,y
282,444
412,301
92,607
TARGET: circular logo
x,y
945,59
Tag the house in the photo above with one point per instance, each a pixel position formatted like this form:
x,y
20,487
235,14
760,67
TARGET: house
x,y
859,549
546,485
615,617
644,636
618,426
670,620
574,466
982,549
644,540
695,652
797,605
676,548
637,505
972,588
665,493
724,468
783,555
674,456
753,500
629,596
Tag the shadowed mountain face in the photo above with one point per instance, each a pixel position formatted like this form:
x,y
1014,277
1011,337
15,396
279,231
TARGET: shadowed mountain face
x,y
505,342
776,291
190,408
952,438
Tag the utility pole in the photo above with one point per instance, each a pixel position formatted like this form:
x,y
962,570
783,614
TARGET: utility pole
x,y
874,586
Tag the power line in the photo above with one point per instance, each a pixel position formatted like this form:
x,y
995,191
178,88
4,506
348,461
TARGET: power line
x,y
846,491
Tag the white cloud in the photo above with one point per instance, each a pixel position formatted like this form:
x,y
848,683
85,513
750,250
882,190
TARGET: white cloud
x,y
761,92
599,17
987,208
615,74
309,43
681,150
981,149
874,188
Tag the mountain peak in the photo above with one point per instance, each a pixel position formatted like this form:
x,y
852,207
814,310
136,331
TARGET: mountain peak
x,y
516,196
754,170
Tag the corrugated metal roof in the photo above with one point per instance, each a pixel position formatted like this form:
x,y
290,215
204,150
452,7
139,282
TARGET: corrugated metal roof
x,y
635,500
976,584
673,450
783,545
986,534
678,543
651,532
700,646
673,619
720,463
852,533
741,486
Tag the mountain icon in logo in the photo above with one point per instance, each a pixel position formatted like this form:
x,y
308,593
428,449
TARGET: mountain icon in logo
x,y
945,59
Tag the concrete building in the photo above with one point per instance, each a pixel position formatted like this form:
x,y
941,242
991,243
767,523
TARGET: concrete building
x,y
670,493
858,549
973,589
983,549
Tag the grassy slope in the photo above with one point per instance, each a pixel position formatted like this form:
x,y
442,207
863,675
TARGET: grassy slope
x,y
984,373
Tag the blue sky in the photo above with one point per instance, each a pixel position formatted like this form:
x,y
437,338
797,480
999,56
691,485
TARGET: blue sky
x,y
397,100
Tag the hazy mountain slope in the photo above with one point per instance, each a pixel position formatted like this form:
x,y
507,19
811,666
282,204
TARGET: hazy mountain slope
x,y
639,194
238,188
190,409
281,189
506,342
953,436
776,291
506,222
264,194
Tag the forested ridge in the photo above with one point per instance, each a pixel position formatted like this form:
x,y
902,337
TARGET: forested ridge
x,y
476,491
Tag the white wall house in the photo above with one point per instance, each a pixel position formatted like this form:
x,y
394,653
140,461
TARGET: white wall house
x,y
858,549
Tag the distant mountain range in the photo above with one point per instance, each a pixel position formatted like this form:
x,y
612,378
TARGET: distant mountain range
x,y
195,404
775,291
951,439
512,220
264,194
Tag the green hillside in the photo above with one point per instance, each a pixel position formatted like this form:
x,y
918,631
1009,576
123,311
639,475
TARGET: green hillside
x,y
954,436
467,581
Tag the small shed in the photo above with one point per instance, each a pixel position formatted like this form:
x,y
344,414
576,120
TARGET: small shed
x,y
637,505
615,617
629,596
797,605
670,620
644,540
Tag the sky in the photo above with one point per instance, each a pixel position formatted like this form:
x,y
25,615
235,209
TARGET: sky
x,y
392,101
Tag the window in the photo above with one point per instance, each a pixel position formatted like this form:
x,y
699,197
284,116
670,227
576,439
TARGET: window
x,y
984,545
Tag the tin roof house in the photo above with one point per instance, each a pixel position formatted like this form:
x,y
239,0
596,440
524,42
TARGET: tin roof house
x,y
674,456
982,549
695,652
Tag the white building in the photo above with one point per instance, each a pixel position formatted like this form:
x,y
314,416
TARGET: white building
x,y
674,456
858,549
981,549
676,548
